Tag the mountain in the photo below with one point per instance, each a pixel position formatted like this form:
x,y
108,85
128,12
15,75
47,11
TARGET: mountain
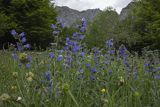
x,y
127,11
71,16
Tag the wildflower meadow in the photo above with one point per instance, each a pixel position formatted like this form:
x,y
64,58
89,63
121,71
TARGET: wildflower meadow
x,y
75,76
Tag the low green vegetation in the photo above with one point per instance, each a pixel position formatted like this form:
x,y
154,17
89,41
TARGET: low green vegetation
x,y
84,66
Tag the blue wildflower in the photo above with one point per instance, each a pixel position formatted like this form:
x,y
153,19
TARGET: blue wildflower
x,y
15,56
24,39
51,55
81,71
19,47
157,69
110,71
66,48
82,54
20,65
88,65
93,77
29,58
22,34
53,26
122,52
109,43
56,33
83,29
48,75
13,32
76,48
27,46
61,51
60,57
84,22
75,34
69,59
94,70
157,77
28,65
81,37
111,51
67,39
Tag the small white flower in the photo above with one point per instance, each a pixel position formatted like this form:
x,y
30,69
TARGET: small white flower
x,y
19,98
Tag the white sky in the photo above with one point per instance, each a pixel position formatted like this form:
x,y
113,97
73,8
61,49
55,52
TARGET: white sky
x,y
92,4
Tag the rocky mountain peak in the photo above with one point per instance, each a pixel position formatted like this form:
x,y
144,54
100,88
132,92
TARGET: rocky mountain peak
x,y
127,10
71,16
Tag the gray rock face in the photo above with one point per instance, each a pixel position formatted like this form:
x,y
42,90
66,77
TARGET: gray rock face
x,y
71,16
127,11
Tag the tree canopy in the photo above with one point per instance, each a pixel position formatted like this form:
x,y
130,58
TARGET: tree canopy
x,y
105,26
147,23
34,17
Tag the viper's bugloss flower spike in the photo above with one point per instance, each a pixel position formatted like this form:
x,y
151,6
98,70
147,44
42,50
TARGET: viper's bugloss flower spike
x,y
51,55
76,48
81,37
22,34
24,39
61,51
156,69
28,65
15,56
82,29
75,34
110,71
55,33
60,57
28,46
48,75
109,43
67,38
157,77
29,58
13,32
53,26
20,47
94,70
82,54
122,52
88,65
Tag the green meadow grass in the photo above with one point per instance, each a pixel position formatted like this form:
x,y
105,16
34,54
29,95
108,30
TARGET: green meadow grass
x,y
108,90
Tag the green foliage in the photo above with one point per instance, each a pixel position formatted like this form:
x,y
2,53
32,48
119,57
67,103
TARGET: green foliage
x,y
34,17
140,28
103,27
147,23
127,34
21,87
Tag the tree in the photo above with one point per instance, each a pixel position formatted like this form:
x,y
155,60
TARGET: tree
x,y
147,23
105,26
34,17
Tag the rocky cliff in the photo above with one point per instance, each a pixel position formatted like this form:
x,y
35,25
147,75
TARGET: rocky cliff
x,y
71,16
127,11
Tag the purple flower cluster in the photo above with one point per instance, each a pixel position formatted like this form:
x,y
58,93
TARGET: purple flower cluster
x,y
21,45
22,41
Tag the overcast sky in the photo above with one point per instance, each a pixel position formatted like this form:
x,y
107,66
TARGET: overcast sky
x,y
91,4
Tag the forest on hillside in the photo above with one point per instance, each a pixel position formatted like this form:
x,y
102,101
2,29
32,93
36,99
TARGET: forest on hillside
x,y
141,28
